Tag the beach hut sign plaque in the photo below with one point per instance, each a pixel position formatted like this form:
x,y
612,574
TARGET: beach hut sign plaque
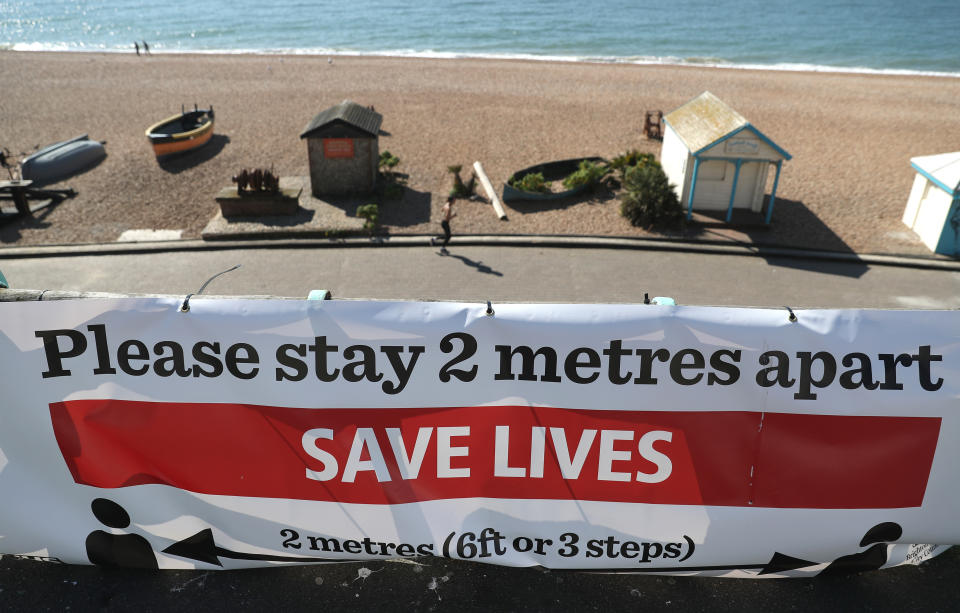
x,y
338,147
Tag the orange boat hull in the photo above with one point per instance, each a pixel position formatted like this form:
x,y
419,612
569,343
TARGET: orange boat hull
x,y
167,142
179,146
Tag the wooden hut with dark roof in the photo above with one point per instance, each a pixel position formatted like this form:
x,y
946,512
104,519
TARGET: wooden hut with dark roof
x,y
343,150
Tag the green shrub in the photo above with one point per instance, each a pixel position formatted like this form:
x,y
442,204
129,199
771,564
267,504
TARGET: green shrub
x,y
392,183
461,189
371,215
649,200
629,159
532,182
393,190
588,174
388,161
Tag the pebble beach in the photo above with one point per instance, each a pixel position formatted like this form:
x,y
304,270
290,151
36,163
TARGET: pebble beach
x,y
851,137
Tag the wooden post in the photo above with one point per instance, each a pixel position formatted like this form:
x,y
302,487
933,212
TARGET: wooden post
x,y
489,189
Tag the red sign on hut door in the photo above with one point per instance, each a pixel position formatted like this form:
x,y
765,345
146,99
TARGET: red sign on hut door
x,y
338,147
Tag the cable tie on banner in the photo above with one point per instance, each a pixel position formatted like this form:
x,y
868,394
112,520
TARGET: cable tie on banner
x,y
489,311
320,294
185,307
791,318
40,299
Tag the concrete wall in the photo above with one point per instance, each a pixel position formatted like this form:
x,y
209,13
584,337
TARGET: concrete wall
x,y
343,176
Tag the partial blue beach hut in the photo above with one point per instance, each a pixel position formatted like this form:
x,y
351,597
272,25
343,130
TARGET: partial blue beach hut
x,y
933,208
717,160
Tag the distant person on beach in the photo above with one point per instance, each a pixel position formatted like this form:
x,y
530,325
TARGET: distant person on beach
x,y
446,215
136,47
146,48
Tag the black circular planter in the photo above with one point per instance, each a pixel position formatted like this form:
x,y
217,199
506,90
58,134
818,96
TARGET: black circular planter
x,y
552,171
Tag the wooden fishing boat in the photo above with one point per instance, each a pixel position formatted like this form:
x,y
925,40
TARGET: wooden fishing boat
x,y
179,133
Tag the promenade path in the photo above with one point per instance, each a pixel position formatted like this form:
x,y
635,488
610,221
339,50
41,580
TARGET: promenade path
x,y
557,271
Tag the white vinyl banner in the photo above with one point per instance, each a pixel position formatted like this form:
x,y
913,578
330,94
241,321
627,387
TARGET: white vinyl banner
x,y
621,438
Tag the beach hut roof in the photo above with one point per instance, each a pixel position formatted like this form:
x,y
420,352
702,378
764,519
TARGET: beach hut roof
x,y
347,112
707,120
942,169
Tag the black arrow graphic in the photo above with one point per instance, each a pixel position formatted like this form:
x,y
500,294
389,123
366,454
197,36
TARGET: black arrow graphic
x,y
201,547
781,562
777,564
879,536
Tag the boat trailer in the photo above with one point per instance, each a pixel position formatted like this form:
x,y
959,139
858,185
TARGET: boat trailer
x,y
21,191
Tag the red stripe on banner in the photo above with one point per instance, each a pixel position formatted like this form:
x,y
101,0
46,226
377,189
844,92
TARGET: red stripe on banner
x,y
386,456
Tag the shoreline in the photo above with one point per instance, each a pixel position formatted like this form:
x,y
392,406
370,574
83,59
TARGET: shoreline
x,y
851,137
788,67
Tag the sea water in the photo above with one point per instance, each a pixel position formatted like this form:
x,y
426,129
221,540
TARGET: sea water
x,y
919,36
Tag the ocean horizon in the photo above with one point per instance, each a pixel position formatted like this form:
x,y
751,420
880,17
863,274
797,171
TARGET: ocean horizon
x,y
883,37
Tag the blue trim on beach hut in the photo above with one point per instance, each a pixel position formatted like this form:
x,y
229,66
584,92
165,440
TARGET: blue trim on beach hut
x,y
933,179
733,190
773,194
693,188
758,133
949,243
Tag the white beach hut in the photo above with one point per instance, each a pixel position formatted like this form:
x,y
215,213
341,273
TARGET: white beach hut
x,y
717,160
932,208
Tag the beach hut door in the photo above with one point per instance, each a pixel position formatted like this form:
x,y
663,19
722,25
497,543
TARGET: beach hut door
x,y
748,186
